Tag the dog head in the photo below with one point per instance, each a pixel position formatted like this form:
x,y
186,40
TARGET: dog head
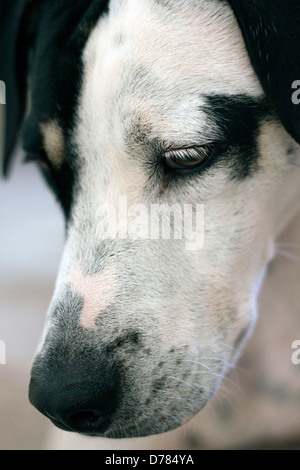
x,y
145,111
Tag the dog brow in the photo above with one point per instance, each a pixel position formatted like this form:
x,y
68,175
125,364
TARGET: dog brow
x,y
140,133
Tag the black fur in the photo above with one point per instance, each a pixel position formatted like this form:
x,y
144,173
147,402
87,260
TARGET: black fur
x,y
271,30
54,33
238,119
14,46
56,68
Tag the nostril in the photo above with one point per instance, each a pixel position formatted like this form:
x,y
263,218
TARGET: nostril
x,y
85,420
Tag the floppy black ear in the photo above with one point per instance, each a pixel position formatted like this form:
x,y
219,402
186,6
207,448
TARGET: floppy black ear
x,y
271,30
17,18
33,34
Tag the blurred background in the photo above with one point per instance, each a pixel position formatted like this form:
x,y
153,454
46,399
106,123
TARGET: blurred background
x,y
258,405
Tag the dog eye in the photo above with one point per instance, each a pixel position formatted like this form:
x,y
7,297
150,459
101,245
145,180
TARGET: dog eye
x,y
187,159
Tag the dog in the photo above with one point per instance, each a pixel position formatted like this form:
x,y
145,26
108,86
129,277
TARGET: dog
x,y
158,102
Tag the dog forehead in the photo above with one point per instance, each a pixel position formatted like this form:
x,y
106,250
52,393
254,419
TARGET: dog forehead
x,y
192,42
142,64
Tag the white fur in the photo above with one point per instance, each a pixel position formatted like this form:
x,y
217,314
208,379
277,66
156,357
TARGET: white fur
x,y
149,65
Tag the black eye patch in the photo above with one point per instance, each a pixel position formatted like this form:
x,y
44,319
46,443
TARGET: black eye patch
x,y
235,123
238,119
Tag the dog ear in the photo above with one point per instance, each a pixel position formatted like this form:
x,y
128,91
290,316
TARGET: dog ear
x,y
271,31
27,27
17,19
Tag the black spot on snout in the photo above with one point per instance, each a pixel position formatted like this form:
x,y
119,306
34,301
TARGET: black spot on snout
x,y
130,340
158,384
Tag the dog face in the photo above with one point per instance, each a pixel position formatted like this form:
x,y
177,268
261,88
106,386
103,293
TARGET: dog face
x,y
153,104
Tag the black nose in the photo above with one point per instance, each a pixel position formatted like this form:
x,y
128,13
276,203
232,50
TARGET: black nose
x,y
86,407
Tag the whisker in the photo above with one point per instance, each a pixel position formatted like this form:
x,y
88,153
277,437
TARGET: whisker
x,y
183,381
227,363
201,364
172,397
288,244
229,346
221,376
289,255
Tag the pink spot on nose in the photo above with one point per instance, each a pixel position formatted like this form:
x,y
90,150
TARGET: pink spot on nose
x,y
97,291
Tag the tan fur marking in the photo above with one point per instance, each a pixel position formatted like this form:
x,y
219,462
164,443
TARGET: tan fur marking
x,y
53,140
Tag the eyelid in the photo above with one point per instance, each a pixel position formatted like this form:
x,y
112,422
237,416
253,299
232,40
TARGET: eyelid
x,y
188,154
187,160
